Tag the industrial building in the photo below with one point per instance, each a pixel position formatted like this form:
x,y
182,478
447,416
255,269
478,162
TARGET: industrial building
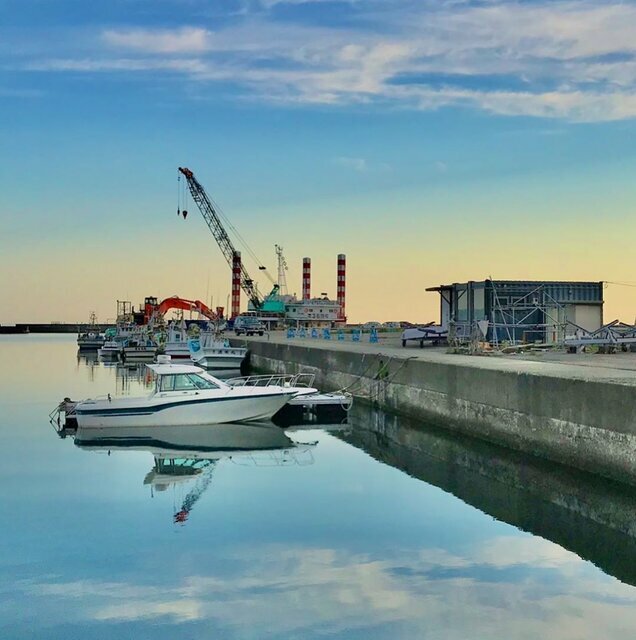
x,y
518,311
318,312
315,312
281,309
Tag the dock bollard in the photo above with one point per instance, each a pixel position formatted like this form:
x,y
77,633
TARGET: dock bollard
x,y
373,336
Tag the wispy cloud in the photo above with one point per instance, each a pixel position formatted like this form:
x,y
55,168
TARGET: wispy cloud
x,y
360,165
357,164
442,167
566,59
185,40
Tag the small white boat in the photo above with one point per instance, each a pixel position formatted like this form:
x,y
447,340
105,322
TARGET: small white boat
x,y
212,352
176,345
430,333
110,350
186,395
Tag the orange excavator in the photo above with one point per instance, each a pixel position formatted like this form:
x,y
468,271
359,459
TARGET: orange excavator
x,y
152,308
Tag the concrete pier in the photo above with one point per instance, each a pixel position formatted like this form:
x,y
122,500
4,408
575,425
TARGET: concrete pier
x,y
567,411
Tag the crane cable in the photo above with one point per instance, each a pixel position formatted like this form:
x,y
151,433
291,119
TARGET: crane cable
x,y
241,240
179,195
236,232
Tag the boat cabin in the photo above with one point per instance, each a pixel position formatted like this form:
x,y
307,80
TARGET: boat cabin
x,y
182,377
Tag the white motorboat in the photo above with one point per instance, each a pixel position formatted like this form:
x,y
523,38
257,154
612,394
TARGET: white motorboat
x,y
212,352
110,350
186,395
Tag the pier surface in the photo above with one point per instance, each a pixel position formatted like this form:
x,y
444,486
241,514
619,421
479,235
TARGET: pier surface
x,y
577,409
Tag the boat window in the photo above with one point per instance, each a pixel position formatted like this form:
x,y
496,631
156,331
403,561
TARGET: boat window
x,y
202,383
185,382
166,383
178,382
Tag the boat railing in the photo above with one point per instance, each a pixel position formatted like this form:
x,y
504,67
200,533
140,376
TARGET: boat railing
x,y
63,418
300,454
277,380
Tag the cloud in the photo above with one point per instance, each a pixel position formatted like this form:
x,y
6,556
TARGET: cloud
x,y
442,167
357,164
511,582
563,59
360,165
184,40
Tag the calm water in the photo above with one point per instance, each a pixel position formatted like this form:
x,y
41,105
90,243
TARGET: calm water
x,y
377,529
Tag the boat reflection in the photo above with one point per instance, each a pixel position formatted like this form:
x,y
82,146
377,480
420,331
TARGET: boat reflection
x,y
192,453
589,515
89,361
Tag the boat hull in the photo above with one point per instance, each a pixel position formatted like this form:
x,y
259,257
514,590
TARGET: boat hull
x,y
177,353
189,441
108,354
90,344
139,354
219,360
174,412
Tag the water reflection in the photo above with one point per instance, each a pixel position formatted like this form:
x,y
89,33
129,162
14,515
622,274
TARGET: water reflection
x,y
589,515
394,530
88,361
189,454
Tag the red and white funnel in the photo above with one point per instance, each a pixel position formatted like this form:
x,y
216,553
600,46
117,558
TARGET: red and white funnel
x,y
306,278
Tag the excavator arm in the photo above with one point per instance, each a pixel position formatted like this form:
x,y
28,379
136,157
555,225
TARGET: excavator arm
x,y
187,305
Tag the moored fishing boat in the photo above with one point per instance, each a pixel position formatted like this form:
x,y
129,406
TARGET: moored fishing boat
x,y
139,349
176,345
213,352
110,350
90,340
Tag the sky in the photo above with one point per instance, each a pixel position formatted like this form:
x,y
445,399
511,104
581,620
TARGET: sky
x,y
430,141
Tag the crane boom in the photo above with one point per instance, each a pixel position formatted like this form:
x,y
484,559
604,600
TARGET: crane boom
x,y
220,234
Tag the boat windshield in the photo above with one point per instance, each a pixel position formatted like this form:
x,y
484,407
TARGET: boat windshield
x,y
185,382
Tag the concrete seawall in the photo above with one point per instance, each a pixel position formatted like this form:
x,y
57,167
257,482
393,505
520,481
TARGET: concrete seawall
x,y
581,416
